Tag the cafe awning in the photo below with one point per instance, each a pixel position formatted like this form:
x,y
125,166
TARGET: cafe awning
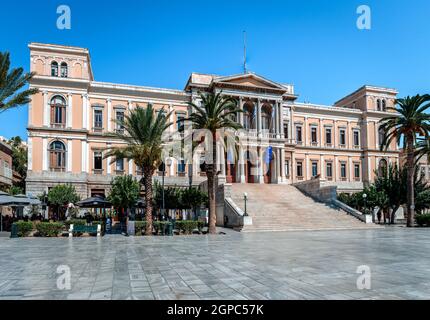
x,y
94,202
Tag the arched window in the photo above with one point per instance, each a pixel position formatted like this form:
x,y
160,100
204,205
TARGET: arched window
x,y
381,135
384,105
54,69
266,118
378,105
58,111
248,116
57,156
63,70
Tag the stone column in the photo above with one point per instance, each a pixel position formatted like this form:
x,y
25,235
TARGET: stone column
x,y
130,167
322,171
241,165
283,174
85,116
30,153
351,170
172,114
305,132
276,119
84,156
45,154
69,112
259,118
240,115
321,138
336,172
334,133
281,121
109,115
279,176
69,155
260,167
307,167
46,107
291,124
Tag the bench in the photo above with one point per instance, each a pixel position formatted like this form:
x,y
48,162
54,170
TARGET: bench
x,y
85,229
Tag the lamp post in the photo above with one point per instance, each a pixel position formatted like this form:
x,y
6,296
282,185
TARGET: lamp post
x,y
245,197
169,163
364,198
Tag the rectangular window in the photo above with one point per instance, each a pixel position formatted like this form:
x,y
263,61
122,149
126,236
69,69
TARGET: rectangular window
x,y
314,169
98,160
286,133
328,136
120,165
343,170
299,134
356,138
180,122
329,169
357,171
299,169
342,137
119,121
314,137
98,119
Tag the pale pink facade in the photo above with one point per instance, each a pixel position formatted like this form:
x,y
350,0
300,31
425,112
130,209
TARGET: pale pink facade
x,y
70,117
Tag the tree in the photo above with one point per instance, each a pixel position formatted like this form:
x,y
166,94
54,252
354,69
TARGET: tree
x,y
11,82
60,196
409,122
193,198
143,132
392,183
213,115
19,159
124,192
14,190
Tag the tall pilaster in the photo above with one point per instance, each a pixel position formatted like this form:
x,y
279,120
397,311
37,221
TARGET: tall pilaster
x,y
45,109
85,115
45,154
109,115
69,155
259,118
69,111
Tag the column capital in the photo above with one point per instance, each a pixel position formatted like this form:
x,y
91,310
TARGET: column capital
x,y
109,100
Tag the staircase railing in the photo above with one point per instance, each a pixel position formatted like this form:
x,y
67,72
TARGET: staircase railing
x,y
234,217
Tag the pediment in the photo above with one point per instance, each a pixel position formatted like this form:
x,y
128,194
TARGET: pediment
x,y
249,80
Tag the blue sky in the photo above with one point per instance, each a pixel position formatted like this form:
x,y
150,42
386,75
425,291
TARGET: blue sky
x,y
313,44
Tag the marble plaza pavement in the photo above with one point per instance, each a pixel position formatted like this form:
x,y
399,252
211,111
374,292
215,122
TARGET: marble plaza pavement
x,y
270,265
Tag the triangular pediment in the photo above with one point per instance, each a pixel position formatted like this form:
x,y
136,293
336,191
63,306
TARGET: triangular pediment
x,y
249,80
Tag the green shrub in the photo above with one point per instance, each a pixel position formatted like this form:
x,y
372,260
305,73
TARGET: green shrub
x,y
76,222
160,227
49,229
186,226
200,226
423,219
23,228
139,227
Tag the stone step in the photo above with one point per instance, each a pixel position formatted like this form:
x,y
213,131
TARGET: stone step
x,y
284,208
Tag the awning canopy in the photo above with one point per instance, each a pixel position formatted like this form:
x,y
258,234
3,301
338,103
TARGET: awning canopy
x,y
5,199
20,200
94,202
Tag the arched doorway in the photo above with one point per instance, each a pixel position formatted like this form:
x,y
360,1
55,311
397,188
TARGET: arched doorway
x,y
230,167
248,116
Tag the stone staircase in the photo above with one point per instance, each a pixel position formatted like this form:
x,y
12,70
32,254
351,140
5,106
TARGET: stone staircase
x,y
285,208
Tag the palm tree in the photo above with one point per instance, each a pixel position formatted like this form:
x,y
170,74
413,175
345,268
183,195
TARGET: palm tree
x,y
11,82
143,132
411,121
213,115
423,149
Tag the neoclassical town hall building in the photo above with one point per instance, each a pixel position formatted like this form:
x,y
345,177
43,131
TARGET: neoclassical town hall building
x,y
69,121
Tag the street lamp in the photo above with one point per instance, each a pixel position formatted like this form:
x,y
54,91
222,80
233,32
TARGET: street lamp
x,y
364,198
245,197
169,163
